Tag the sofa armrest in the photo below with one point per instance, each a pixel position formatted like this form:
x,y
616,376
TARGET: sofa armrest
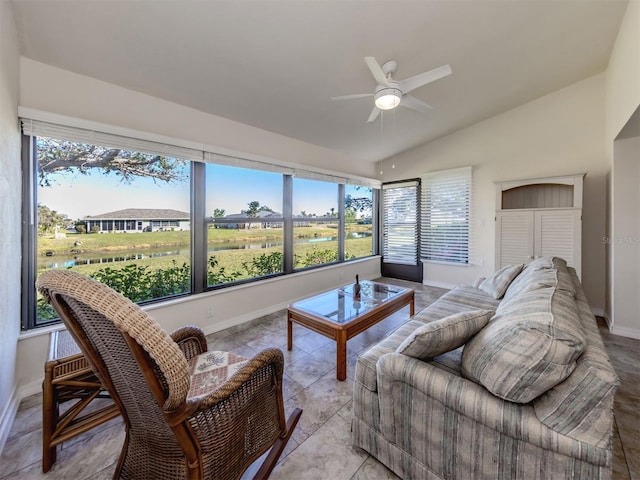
x,y
420,405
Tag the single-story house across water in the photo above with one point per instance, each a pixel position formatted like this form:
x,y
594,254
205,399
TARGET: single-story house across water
x,y
139,220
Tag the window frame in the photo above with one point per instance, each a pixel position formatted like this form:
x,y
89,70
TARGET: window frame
x,y
199,224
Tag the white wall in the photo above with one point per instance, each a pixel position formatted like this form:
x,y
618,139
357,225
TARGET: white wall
x,y
52,89
10,201
625,238
560,133
622,100
623,76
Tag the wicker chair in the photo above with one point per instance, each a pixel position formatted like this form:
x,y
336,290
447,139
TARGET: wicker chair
x,y
170,434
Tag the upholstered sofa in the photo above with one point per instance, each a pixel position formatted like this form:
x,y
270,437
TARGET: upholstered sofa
x,y
506,379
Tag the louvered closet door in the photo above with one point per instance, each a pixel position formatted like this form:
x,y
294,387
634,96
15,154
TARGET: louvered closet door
x,y
514,238
558,232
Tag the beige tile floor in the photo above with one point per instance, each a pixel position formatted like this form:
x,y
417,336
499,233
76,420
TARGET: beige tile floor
x,y
320,447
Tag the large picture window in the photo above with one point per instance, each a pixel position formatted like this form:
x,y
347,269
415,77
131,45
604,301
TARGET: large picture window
x,y
316,221
245,236
154,221
119,216
446,197
358,221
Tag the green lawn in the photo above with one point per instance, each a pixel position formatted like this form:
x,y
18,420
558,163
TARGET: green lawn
x,y
119,242
231,260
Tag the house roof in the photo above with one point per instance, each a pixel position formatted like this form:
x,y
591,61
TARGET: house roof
x,y
259,214
275,64
142,214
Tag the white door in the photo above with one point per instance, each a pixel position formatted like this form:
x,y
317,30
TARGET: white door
x,y
522,235
514,238
559,233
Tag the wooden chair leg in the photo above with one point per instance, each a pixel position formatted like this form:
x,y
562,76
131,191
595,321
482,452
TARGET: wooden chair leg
x,y
274,454
49,420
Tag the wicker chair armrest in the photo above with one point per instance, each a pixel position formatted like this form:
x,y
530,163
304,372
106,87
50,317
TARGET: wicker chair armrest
x,y
191,340
260,360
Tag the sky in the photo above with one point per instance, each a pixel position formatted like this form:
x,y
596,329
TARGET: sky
x,y
230,188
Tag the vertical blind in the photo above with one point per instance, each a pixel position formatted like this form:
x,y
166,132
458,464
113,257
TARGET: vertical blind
x,y
400,222
445,221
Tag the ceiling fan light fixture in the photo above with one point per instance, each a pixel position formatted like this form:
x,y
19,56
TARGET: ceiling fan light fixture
x,y
388,98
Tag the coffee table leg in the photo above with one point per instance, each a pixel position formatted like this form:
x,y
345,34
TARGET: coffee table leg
x,y
341,355
289,333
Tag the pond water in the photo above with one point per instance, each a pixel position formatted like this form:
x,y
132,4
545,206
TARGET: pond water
x,y
66,261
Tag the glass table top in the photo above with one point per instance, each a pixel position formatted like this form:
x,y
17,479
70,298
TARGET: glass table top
x,y
340,306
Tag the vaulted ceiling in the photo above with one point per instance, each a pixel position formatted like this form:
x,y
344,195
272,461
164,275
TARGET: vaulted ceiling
x,y
275,64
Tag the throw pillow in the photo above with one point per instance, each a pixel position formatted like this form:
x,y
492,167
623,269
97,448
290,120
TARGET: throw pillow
x,y
444,335
524,352
497,284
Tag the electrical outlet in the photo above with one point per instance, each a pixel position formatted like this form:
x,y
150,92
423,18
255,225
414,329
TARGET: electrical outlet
x,y
210,311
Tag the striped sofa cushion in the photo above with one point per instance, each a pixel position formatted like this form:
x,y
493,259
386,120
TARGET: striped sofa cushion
x,y
525,351
581,406
366,366
472,297
449,333
496,284
542,272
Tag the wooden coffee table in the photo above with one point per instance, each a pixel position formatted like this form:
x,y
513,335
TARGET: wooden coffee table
x,y
339,315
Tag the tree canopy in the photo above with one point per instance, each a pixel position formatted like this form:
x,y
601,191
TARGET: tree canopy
x,y
358,204
60,156
49,219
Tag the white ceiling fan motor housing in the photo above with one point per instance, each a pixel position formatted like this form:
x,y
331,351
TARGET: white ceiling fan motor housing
x,y
387,98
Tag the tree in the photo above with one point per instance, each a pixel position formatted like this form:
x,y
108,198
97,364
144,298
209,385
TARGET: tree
x,y
219,212
59,156
48,219
358,204
254,208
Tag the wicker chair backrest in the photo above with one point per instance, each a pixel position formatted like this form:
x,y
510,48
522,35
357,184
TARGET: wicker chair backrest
x,y
144,415
126,317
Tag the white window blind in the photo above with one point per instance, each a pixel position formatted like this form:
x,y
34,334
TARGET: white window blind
x,y
40,128
400,223
86,132
445,224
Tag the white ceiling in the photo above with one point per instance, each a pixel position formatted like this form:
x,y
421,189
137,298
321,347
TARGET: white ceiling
x,y
275,64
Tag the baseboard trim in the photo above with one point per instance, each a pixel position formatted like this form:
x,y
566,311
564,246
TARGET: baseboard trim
x,y
31,388
598,312
8,415
239,320
625,332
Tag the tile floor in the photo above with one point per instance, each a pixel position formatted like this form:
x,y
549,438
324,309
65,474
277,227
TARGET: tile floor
x,y
320,446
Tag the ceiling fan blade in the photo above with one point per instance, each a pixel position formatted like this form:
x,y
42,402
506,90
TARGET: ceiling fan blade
x,y
427,77
373,115
376,71
349,97
414,104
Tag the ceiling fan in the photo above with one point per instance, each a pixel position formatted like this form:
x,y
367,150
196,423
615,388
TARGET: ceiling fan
x,y
391,93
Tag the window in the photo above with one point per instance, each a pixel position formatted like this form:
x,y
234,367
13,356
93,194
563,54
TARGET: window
x,y
358,221
400,224
153,220
245,236
316,221
445,216
88,198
